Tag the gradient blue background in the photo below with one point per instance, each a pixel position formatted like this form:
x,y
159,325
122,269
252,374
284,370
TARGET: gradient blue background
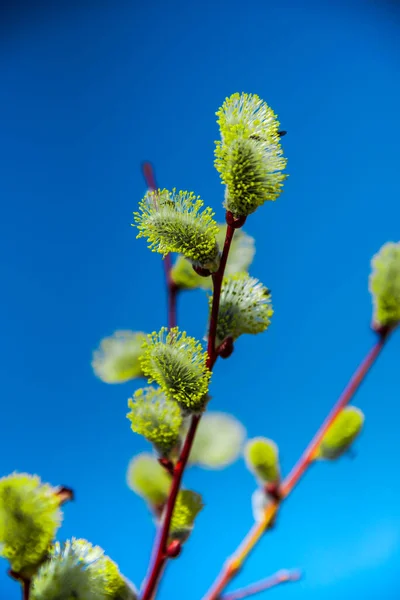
x,y
87,92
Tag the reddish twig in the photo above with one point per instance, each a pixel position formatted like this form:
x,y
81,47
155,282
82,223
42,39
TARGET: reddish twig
x,y
24,581
234,564
148,174
263,585
26,588
172,298
217,285
309,454
160,551
161,555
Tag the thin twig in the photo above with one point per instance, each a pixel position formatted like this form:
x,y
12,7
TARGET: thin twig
x,y
26,588
160,550
263,585
234,564
172,298
160,555
217,285
24,581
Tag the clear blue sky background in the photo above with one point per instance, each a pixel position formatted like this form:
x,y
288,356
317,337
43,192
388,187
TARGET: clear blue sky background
x,y
86,94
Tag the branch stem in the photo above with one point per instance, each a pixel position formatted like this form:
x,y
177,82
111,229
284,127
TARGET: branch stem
x,y
26,588
217,285
160,556
263,585
235,562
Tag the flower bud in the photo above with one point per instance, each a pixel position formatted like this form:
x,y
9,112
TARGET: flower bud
x,y
261,455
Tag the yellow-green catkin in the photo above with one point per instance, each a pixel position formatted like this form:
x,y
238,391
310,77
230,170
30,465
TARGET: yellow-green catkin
x,y
177,362
117,358
29,518
249,156
384,285
219,441
174,222
342,433
147,478
77,569
245,307
156,418
262,459
187,507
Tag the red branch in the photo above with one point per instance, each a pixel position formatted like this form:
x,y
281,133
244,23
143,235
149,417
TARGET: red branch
x,y
160,550
234,564
26,588
217,285
309,454
263,585
161,555
24,581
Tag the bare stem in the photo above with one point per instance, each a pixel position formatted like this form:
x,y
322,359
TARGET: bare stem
x,y
217,285
234,564
263,585
24,581
172,298
160,556
26,588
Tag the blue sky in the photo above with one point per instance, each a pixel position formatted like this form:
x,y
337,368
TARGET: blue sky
x,y
89,92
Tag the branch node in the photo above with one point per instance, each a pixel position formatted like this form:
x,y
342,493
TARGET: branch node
x,y
200,271
167,464
235,222
174,549
226,348
234,567
382,330
273,489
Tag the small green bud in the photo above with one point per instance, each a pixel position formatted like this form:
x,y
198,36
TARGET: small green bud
x,y
218,442
262,459
172,222
384,285
79,570
342,433
29,518
187,507
249,156
117,358
245,307
177,363
147,478
156,418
